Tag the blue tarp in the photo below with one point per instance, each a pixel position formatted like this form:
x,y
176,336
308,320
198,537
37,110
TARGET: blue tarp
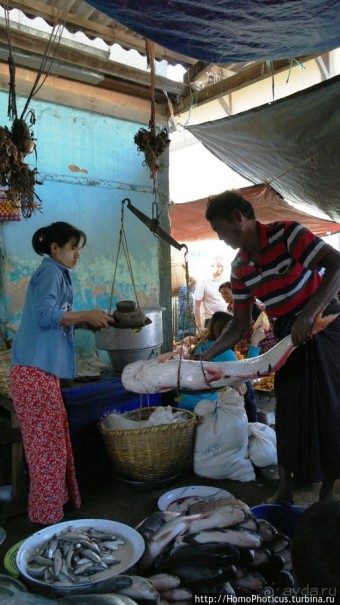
x,y
227,31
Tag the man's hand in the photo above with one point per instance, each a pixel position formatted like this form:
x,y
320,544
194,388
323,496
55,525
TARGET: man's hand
x,y
302,329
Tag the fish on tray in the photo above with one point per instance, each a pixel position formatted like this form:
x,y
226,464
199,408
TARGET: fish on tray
x,y
154,376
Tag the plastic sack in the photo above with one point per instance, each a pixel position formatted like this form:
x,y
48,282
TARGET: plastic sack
x,y
221,439
161,415
262,444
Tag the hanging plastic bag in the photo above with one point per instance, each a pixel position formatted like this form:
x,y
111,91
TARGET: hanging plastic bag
x,y
262,444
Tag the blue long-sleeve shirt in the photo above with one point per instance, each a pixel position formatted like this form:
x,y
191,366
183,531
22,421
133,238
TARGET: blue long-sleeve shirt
x,y
190,400
41,341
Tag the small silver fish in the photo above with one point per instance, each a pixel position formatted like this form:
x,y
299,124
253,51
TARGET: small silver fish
x,y
57,563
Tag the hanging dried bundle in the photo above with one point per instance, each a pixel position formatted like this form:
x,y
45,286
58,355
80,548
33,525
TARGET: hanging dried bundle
x,y
21,137
18,142
153,145
15,174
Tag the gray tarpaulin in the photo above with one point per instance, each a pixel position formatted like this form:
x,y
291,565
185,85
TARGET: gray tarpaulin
x,y
293,144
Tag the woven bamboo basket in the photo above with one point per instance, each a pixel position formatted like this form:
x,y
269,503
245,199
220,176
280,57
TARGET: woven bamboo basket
x,y
151,453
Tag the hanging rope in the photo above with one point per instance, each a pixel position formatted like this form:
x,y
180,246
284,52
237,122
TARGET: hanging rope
x,y
150,57
46,63
122,244
12,101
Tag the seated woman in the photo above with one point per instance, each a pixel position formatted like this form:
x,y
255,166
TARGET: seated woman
x,y
218,323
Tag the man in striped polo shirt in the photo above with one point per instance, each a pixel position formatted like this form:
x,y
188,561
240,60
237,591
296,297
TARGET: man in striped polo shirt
x,y
296,275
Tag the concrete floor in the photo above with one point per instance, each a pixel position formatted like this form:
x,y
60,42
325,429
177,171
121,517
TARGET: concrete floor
x,y
105,497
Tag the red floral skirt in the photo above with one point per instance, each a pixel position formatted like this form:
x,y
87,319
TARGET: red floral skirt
x,y
38,403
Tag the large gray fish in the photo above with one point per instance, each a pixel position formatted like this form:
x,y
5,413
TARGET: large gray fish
x,y
153,376
164,581
163,536
251,580
149,526
225,516
242,538
141,589
96,599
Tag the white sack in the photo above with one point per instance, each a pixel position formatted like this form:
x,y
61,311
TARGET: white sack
x,y
262,444
221,440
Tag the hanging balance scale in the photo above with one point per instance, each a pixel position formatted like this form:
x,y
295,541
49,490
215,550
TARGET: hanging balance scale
x,y
128,314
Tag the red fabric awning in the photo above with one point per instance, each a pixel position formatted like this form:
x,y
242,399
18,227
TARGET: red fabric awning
x,y
188,222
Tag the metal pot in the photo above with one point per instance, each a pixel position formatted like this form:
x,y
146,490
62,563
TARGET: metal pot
x,y
125,346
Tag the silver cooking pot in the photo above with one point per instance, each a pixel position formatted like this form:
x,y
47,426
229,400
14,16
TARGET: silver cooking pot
x,y
125,345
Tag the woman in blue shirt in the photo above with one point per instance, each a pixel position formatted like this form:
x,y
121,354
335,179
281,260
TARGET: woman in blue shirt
x,y
217,324
43,352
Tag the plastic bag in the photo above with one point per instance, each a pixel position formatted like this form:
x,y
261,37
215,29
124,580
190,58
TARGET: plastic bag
x,y
221,440
262,444
161,415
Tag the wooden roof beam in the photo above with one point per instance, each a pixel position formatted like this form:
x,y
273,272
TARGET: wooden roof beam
x,y
250,75
35,46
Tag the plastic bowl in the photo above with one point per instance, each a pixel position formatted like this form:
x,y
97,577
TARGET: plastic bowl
x,y
129,554
282,516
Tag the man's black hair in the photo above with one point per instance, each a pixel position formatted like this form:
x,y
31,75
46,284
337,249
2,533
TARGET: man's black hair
x,y
223,205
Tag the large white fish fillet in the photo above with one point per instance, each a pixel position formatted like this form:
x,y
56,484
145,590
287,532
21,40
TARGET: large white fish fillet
x,y
153,376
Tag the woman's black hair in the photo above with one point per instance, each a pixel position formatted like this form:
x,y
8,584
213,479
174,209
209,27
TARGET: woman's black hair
x,y
59,233
226,284
217,323
224,204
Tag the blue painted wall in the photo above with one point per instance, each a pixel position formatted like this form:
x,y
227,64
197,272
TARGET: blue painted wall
x,y
89,163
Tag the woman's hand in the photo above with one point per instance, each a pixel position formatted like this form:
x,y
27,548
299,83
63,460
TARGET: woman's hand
x,y
99,319
256,337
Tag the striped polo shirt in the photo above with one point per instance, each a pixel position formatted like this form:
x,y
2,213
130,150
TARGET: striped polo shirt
x,y
288,273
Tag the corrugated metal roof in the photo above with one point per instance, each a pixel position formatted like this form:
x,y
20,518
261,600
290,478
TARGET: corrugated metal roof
x,y
81,16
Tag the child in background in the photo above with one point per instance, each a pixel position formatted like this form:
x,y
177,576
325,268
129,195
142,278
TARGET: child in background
x,y
218,323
